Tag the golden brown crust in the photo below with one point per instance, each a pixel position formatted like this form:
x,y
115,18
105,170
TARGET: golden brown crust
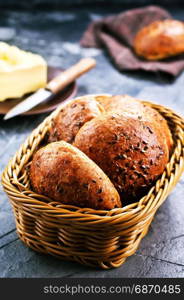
x,y
133,107
131,152
122,103
161,125
65,174
72,117
103,100
160,39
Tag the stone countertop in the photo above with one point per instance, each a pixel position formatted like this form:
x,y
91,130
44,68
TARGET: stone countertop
x,y
55,35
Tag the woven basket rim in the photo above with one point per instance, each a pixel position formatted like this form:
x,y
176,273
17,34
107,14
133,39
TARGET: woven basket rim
x,y
53,208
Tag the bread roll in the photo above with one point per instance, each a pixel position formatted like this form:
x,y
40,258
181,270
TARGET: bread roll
x,y
133,107
72,117
130,151
65,174
160,39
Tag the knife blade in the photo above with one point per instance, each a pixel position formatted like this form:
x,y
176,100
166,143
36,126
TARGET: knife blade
x,y
28,103
53,87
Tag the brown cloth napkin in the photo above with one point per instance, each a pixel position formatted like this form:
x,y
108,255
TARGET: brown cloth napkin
x,y
116,35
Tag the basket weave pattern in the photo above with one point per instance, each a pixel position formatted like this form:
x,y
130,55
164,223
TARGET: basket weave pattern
x,y
92,237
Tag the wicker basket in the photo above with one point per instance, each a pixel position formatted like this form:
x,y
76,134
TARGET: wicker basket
x,y
92,237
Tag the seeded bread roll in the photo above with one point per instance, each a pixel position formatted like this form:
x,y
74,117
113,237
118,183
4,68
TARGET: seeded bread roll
x,y
72,117
65,174
133,107
160,39
130,151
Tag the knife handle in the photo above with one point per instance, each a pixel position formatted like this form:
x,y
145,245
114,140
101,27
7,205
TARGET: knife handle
x,y
68,76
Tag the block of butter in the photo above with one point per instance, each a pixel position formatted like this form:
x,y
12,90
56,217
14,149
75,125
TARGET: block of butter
x,y
21,72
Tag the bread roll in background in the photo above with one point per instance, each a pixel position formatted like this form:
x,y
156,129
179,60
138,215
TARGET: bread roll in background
x,y
72,117
133,107
65,174
130,151
160,39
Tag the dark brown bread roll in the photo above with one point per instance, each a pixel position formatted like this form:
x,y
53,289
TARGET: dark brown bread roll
x,y
130,151
133,107
65,174
160,39
72,117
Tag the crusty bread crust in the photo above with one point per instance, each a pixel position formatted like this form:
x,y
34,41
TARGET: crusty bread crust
x,y
72,117
65,174
160,39
130,151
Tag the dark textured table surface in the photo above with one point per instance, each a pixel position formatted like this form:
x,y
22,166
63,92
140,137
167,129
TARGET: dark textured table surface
x,y
55,35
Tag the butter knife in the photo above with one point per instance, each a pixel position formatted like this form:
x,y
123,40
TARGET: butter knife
x,y
53,87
